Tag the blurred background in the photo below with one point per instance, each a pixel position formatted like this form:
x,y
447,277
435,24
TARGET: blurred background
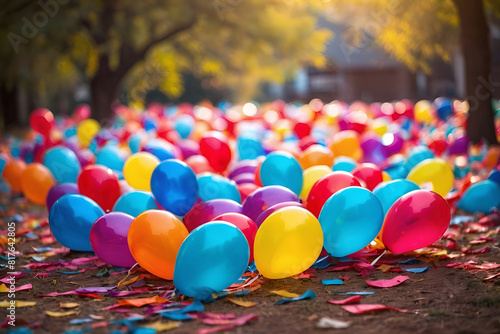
x,y
61,53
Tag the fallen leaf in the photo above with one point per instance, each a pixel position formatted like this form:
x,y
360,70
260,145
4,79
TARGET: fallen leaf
x,y
241,302
387,283
350,300
68,305
59,314
309,294
17,303
332,323
284,293
163,326
365,308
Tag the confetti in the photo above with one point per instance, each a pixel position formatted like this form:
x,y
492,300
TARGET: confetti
x,y
332,282
350,300
366,308
284,293
332,323
60,314
17,303
309,294
241,302
68,305
387,283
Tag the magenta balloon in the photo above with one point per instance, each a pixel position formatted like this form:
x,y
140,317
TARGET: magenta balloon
x,y
373,149
188,147
108,239
261,199
203,212
459,146
393,146
244,166
58,191
244,178
273,208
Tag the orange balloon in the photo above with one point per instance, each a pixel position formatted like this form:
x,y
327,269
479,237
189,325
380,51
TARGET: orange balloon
x,y
36,181
316,155
346,143
12,173
154,238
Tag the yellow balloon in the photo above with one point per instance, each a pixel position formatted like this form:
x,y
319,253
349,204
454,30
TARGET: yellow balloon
x,y
288,242
379,126
433,174
386,176
86,131
422,112
310,176
138,169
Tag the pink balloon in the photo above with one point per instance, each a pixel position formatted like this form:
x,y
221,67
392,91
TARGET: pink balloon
x,y
416,220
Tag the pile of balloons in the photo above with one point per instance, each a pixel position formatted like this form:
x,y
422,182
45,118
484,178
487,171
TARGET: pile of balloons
x,y
197,193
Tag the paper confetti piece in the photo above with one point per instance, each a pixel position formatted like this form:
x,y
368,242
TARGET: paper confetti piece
x,y
240,321
335,281
350,300
4,288
360,293
17,303
491,277
387,283
214,318
162,326
138,302
366,308
182,314
68,305
332,323
59,314
384,267
284,293
309,294
417,270
241,302
80,321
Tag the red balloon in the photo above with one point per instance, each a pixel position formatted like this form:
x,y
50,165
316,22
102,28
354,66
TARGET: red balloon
x,y
326,187
214,147
244,224
42,120
370,173
246,189
100,184
416,220
302,129
81,112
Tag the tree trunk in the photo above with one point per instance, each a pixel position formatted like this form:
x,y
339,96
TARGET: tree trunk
x,y
8,108
104,91
474,36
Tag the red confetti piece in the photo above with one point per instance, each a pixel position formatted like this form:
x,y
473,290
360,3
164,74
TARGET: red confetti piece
x,y
483,250
235,323
387,283
350,300
366,308
491,277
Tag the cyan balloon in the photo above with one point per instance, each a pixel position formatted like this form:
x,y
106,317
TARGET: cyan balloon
x,y
389,192
135,203
184,124
63,163
111,157
481,197
71,218
213,186
282,169
174,185
351,219
345,164
134,142
210,259
417,155
249,147
160,148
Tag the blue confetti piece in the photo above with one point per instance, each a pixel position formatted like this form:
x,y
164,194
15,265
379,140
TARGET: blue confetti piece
x,y
335,281
252,268
19,331
181,314
73,332
43,249
410,261
417,270
358,293
70,272
38,258
242,292
323,262
80,321
17,218
346,259
143,330
309,294
31,236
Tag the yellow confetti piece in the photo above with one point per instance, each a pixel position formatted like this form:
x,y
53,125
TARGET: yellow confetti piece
x,y
163,326
241,302
3,288
59,314
17,303
68,305
284,293
384,267
54,281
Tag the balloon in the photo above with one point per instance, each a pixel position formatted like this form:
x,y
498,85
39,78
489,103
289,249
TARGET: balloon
x,y
459,145
282,169
393,143
154,238
199,164
63,164
345,164
351,218
135,203
100,184
373,149
213,186
434,172
423,112
288,242
36,181
389,192
212,257
249,147
417,155
246,189
346,143
138,169
184,124
244,178
311,175
174,186
265,197
161,149
12,173
58,191
416,220
86,131
269,211
327,186
214,147
444,108
316,155
111,157
108,239
42,121
244,224
71,218
203,212
495,175
482,197
243,167
371,174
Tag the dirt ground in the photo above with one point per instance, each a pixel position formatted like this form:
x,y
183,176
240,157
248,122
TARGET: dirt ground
x,y
440,300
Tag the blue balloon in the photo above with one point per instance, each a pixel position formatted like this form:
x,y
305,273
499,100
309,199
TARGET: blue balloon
x,y
71,218
184,124
282,169
174,186
211,258
482,197
63,163
213,186
351,219
495,175
444,108
135,203
111,157
160,148
134,142
249,147
390,191
345,164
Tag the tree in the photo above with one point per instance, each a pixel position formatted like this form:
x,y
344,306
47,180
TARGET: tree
x,y
137,46
415,32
